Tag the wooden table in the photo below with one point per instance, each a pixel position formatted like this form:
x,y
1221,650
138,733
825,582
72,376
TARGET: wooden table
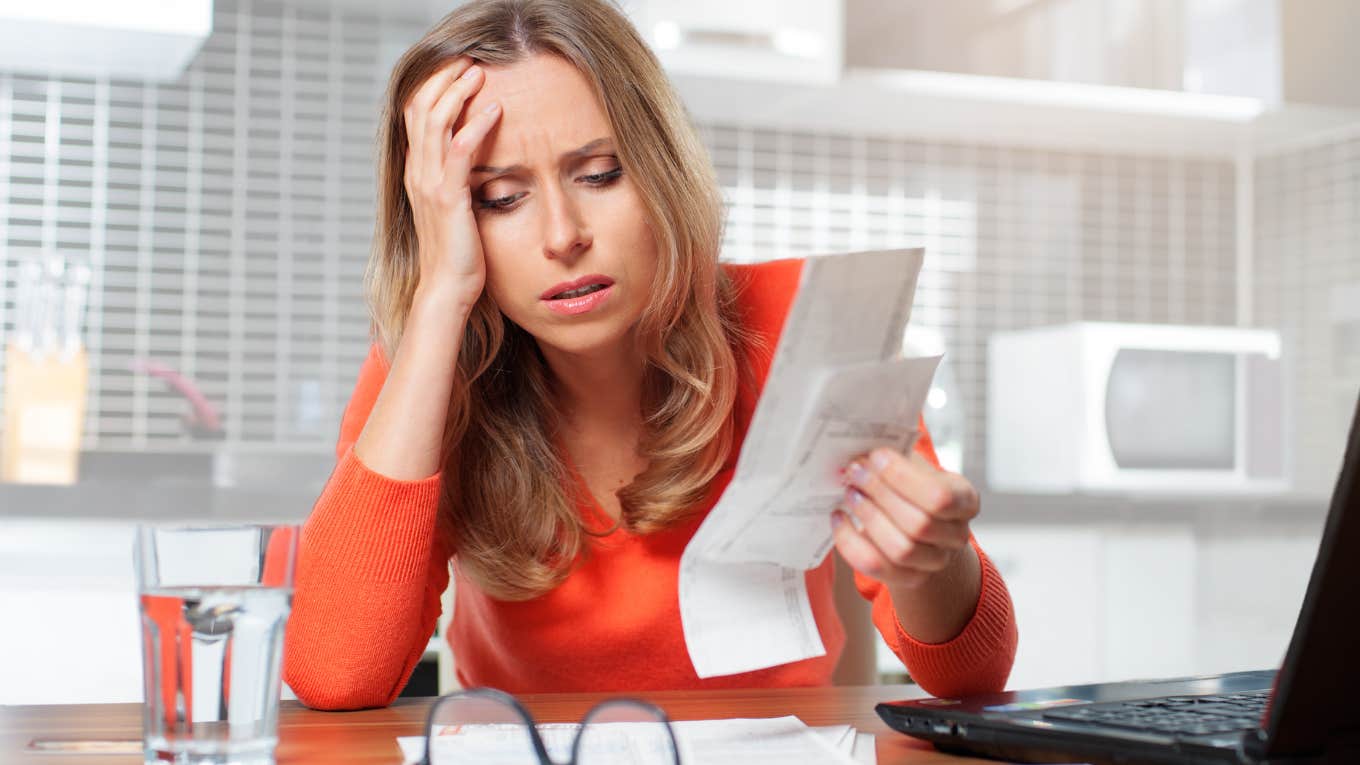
x,y
307,736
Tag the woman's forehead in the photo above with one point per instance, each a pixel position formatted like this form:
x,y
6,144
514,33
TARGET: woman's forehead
x,y
544,100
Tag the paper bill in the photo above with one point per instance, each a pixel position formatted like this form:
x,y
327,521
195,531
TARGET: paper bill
x,y
863,749
838,387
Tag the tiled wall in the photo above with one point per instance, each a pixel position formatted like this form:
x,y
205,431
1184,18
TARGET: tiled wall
x,y
229,214
227,217
1014,238
1307,283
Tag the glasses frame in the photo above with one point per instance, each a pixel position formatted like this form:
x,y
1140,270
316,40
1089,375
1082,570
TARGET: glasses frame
x,y
501,697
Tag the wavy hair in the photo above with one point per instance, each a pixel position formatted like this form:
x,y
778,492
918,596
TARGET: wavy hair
x,y
509,507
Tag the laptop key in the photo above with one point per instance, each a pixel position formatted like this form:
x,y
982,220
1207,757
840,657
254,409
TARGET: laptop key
x,y
1193,716
1227,710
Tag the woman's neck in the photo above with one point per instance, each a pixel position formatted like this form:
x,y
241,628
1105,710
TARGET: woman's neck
x,y
600,392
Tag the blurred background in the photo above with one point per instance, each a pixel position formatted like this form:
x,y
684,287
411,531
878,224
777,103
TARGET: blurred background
x,y
186,207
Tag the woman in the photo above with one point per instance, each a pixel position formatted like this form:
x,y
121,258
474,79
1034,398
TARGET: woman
x,y
559,388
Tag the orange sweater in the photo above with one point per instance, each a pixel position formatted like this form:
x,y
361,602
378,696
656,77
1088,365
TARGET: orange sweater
x,y
369,579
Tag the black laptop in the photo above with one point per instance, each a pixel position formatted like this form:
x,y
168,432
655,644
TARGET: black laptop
x,y
1307,712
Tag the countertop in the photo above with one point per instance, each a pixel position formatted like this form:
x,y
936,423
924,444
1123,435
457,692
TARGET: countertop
x,y
281,485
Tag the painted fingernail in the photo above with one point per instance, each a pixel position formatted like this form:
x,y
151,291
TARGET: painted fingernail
x,y
880,459
492,108
858,474
471,72
837,518
853,497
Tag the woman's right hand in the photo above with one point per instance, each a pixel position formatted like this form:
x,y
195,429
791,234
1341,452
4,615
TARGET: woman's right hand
x,y
438,163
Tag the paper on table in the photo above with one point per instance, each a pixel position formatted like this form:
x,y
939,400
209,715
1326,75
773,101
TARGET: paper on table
x,y
837,387
860,746
839,736
782,740
755,742
863,749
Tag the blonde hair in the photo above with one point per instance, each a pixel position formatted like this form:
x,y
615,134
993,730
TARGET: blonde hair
x,y
509,509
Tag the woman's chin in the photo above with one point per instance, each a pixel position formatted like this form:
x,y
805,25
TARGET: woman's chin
x,y
602,341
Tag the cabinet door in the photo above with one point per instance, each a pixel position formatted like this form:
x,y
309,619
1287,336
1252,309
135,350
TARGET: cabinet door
x,y
68,588
1149,601
1251,588
1056,580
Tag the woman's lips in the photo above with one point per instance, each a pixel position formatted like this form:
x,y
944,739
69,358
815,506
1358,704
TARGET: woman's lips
x,y
581,281
579,305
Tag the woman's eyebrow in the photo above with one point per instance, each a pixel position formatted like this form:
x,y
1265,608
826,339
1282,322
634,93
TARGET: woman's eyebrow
x,y
594,145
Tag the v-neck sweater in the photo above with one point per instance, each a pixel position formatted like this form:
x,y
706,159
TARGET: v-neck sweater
x,y
370,574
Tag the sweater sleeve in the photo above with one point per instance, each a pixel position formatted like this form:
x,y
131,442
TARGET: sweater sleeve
x,y
370,573
979,658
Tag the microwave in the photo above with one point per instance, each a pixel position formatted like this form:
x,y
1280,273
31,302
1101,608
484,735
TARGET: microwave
x,y
1105,407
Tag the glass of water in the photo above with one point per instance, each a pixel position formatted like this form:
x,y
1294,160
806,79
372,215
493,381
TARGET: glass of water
x,y
214,602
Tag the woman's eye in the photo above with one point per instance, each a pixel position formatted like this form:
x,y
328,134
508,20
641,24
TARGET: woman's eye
x,y
603,179
505,203
500,203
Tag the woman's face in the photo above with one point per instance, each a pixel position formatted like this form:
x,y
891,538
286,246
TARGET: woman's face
x,y
554,207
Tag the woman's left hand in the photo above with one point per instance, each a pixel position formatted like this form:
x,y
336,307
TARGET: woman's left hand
x,y
913,518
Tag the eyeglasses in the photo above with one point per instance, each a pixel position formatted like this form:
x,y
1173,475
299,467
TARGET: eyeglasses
x,y
490,727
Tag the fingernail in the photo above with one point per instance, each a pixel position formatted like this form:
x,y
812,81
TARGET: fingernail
x,y
853,497
858,474
470,73
880,459
837,518
491,108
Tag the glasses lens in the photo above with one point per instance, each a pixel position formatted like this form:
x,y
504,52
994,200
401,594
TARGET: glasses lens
x,y
626,731
479,728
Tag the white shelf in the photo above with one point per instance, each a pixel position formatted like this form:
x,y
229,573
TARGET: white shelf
x,y
945,107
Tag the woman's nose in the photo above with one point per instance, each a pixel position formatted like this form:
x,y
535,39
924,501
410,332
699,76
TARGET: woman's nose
x,y
566,235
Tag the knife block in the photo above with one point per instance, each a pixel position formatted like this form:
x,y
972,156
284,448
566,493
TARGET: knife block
x,y
44,416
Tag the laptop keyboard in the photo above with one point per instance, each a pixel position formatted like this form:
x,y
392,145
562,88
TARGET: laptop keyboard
x,y
1189,715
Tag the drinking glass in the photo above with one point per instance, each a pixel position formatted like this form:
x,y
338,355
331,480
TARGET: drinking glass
x,y
214,602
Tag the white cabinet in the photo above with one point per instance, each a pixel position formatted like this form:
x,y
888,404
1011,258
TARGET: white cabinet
x,y
1250,590
1056,578
1149,601
1094,602
72,633
796,41
151,39
1097,603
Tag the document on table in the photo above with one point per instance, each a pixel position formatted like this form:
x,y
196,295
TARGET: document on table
x,y
776,741
838,386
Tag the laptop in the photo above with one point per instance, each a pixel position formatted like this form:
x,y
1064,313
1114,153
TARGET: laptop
x,y
1307,712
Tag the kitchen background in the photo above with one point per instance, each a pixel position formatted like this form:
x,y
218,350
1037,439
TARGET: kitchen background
x,y
225,211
